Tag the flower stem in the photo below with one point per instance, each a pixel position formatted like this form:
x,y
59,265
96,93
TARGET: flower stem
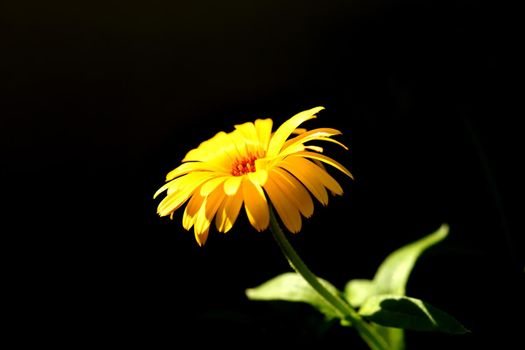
x,y
369,335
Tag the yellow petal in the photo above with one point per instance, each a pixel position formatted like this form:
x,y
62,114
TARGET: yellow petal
x,y
249,133
191,166
255,205
186,185
326,160
319,173
160,190
333,141
294,190
314,148
298,147
311,135
299,131
228,212
259,177
190,212
288,212
285,130
173,202
231,185
207,211
239,142
201,237
207,150
312,183
196,177
211,185
264,131
177,184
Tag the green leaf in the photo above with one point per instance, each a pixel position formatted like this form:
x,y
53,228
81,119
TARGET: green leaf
x,y
392,276
358,290
409,313
395,337
291,286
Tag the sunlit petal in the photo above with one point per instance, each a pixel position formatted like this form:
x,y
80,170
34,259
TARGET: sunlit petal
x,y
201,237
294,190
207,210
232,184
228,212
249,133
212,184
286,129
313,184
315,171
264,131
287,211
326,160
255,205
259,177
311,135
189,167
192,208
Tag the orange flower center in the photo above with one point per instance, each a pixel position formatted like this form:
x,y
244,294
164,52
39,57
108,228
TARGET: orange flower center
x,y
244,165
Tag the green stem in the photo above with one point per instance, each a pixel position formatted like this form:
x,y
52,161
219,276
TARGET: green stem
x,y
369,334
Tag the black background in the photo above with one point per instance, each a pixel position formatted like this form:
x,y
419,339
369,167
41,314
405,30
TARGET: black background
x,y
99,102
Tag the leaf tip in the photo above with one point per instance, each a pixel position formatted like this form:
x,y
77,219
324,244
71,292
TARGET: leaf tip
x,y
443,230
250,293
461,330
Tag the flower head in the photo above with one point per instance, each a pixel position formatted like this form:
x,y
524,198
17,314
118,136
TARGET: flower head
x,y
250,166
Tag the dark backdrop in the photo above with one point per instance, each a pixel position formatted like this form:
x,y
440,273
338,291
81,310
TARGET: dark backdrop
x,y
99,102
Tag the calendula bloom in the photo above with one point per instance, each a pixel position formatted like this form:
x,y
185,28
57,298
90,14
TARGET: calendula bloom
x,y
250,166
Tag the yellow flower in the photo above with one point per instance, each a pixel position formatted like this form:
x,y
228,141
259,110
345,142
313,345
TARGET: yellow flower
x,y
251,165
